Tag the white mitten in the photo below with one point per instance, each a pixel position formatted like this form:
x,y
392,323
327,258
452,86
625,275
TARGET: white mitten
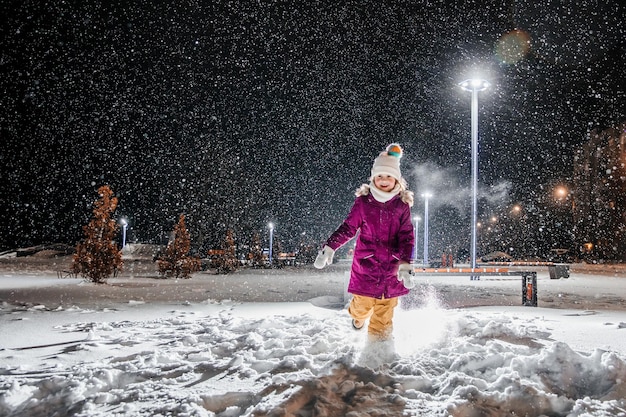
x,y
405,274
324,257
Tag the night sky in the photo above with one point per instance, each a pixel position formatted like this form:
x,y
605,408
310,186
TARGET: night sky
x,y
243,113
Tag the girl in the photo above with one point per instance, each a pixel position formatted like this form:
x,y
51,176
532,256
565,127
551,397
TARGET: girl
x,y
381,270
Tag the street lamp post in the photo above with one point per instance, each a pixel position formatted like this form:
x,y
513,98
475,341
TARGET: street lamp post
x,y
417,222
271,226
562,219
474,86
124,224
426,197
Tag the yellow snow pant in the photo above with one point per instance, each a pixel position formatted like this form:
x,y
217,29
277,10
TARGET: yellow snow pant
x,y
380,312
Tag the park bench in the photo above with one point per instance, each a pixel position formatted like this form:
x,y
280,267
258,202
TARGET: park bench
x,y
66,274
529,278
555,270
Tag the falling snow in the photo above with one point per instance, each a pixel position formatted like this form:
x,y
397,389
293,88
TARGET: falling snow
x,y
238,114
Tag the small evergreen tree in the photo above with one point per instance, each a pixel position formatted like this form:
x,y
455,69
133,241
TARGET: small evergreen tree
x,y
97,256
228,262
277,249
176,260
256,251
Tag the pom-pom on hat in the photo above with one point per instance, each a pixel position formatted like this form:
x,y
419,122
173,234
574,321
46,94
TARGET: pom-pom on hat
x,y
388,162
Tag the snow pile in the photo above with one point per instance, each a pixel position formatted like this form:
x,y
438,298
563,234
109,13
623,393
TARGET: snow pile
x,y
257,359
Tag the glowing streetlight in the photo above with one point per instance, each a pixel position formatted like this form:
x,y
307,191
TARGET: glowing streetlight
x,y
271,226
426,197
562,216
474,86
124,224
561,192
417,222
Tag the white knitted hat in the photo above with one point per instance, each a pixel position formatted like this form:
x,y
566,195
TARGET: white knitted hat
x,y
388,162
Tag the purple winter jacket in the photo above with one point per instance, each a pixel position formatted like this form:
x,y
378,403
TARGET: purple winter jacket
x,y
385,240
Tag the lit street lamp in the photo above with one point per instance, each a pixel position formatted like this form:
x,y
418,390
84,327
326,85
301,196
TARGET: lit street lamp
x,y
426,197
562,222
561,193
124,224
417,222
271,226
474,86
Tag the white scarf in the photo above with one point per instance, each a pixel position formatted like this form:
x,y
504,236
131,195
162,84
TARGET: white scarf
x,y
384,196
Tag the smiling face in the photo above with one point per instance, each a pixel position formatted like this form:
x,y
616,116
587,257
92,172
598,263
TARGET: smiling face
x,y
384,182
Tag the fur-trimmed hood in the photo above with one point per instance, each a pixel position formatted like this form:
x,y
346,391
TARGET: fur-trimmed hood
x,y
405,195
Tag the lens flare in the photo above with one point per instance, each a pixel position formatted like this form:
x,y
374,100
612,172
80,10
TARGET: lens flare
x,y
513,46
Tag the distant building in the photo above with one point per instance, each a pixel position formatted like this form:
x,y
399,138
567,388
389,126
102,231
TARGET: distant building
x,y
599,195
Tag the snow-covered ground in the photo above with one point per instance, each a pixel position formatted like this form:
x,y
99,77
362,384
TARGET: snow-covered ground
x,y
280,343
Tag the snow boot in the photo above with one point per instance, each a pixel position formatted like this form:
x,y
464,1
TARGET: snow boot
x,y
358,324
